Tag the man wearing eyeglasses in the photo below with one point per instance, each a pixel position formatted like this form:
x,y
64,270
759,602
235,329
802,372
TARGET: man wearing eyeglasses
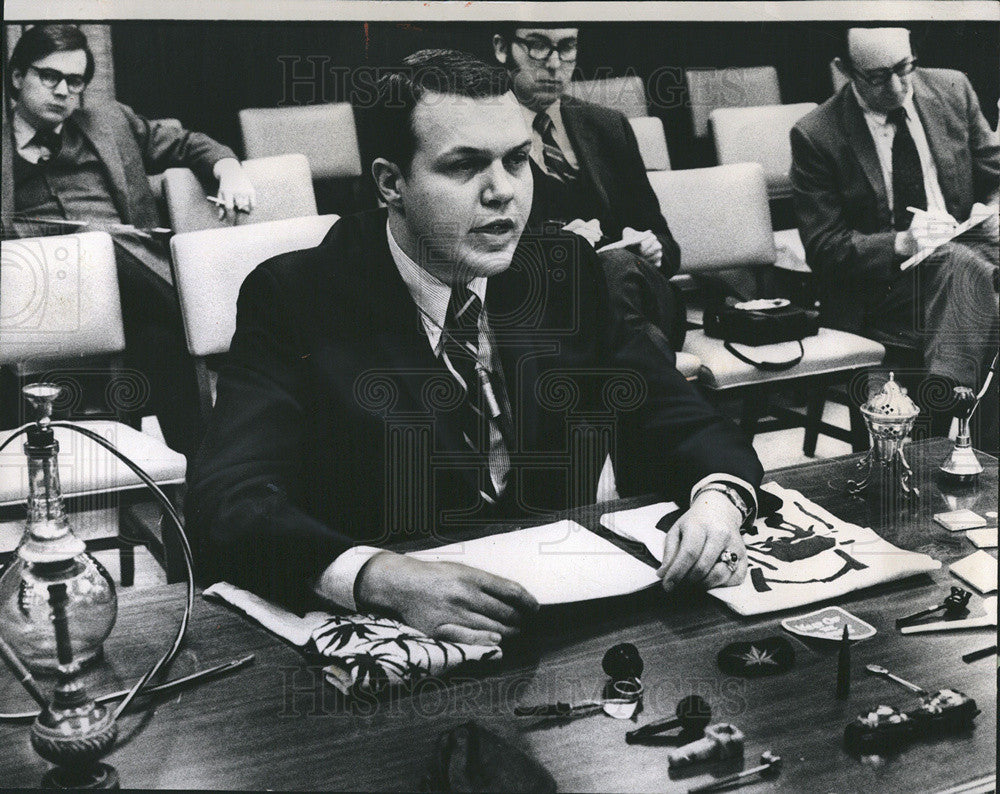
x,y
883,170
588,172
67,161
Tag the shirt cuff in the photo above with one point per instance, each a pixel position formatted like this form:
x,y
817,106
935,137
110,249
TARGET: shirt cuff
x,y
747,491
336,583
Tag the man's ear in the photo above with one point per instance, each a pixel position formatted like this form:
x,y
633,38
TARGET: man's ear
x,y
501,48
17,78
842,67
387,178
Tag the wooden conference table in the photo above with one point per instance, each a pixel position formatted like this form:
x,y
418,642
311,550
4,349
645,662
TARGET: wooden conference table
x,y
274,725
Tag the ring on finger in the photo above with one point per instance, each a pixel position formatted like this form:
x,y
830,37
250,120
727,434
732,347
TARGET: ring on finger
x,y
730,559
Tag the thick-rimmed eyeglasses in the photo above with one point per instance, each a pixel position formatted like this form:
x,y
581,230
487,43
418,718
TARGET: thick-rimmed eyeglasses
x,y
542,49
50,78
879,77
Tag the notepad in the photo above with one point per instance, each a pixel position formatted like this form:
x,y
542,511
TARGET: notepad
x,y
557,563
983,538
956,520
961,229
979,569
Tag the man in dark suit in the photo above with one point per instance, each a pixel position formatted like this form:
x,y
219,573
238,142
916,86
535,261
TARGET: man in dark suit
x,y
894,138
430,368
588,172
63,161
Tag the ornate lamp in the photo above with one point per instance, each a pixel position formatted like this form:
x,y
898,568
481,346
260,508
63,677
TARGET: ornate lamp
x,y
890,415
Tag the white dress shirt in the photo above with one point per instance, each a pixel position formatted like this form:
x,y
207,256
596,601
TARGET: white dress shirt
x,y
554,112
883,132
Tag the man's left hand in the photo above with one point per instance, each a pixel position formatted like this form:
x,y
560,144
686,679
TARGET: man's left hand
x,y
695,543
236,192
646,244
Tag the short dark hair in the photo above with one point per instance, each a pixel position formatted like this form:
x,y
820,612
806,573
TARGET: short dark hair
x,y
39,41
390,127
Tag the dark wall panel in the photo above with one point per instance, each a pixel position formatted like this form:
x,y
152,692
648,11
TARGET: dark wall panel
x,y
204,72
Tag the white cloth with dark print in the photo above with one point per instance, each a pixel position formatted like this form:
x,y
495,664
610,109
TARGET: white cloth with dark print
x,y
363,652
798,555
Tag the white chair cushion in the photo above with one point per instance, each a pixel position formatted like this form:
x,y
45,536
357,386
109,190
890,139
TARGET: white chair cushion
x,y
828,351
59,298
652,142
210,267
85,467
688,365
324,133
283,185
625,94
719,216
741,86
759,135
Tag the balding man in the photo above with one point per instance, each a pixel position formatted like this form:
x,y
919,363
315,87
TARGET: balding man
x,y
894,139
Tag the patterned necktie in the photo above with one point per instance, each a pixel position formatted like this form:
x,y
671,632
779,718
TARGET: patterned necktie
x,y
907,175
461,346
51,140
555,161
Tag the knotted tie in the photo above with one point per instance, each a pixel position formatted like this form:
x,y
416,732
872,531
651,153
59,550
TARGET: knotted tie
x,y
51,140
907,175
555,161
461,346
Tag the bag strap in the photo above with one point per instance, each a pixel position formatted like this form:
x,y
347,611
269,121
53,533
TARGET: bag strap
x,y
767,366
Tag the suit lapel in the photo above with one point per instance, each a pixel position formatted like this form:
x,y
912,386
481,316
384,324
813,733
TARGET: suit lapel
x,y
860,137
401,345
932,115
587,147
103,141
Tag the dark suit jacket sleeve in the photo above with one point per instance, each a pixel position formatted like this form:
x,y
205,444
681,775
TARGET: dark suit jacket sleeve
x,y
244,486
832,248
985,149
166,146
647,207
669,435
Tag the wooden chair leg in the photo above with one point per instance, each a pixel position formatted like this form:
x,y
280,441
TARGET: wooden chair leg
x,y
173,555
126,545
815,402
126,559
859,431
753,407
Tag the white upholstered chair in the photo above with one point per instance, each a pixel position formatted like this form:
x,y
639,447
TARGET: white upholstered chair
x,y
325,134
759,135
652,142
626,94
720,219
59,313
209,269
711,88
282,183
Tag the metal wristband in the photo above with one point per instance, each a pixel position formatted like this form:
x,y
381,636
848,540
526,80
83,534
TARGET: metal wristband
x,y
731,494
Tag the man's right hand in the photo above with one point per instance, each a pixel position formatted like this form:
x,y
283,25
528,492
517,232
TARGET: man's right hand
x,y
927,231
445,600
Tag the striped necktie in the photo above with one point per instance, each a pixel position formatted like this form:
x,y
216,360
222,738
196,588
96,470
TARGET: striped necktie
x,y
461,347
555,161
